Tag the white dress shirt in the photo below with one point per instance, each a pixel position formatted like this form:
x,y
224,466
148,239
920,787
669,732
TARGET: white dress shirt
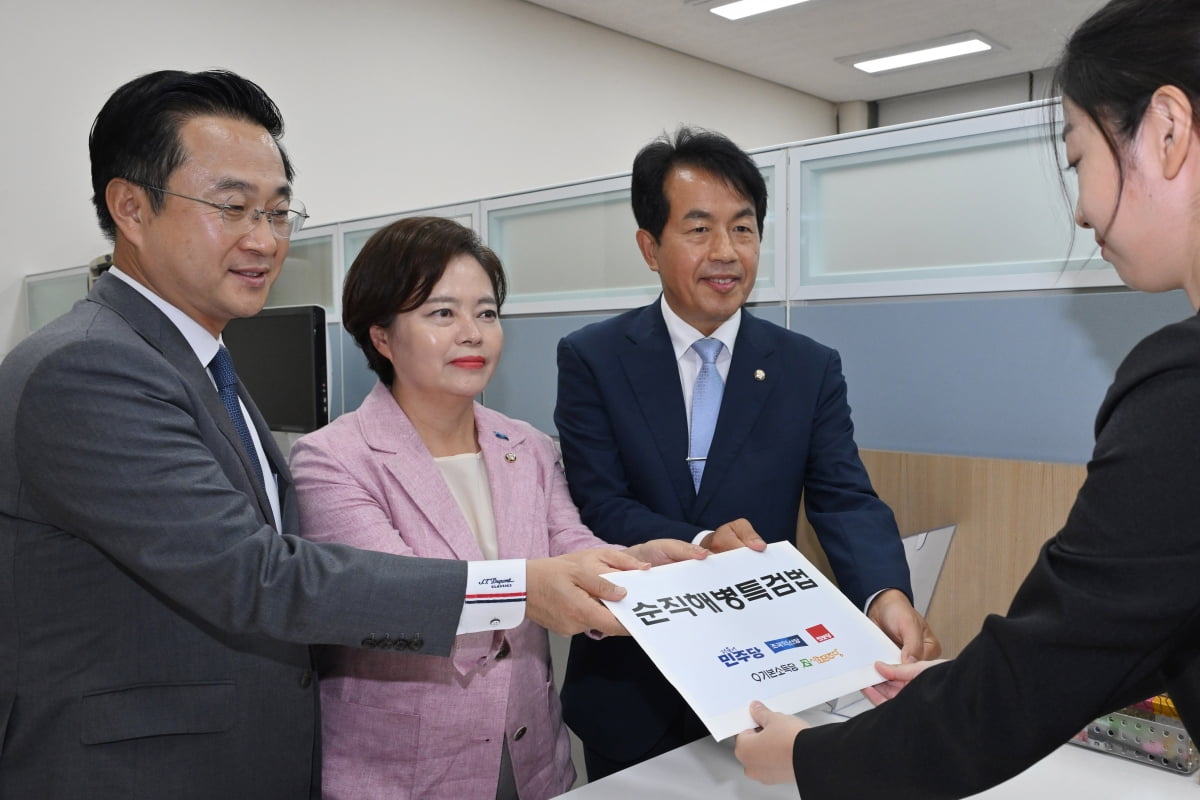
x,y
683,336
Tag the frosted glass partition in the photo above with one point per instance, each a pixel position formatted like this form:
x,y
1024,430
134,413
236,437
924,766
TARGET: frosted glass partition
x,y
307,275
51,294
573,248
355,234
352,245
966,205
570,248
772,265
956,205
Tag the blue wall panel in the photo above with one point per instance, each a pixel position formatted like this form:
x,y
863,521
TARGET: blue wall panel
x,y
526,382
1017,376
1001,376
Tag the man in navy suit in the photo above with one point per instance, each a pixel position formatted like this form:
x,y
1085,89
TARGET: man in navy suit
x,y
624,409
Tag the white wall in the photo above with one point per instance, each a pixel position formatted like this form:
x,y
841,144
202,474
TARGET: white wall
x,y
1006,91
389,104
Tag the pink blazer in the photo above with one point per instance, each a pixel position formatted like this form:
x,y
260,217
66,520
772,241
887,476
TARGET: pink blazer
x,y
417,726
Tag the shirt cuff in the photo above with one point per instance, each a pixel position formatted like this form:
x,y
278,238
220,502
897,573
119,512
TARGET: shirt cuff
x,y
867,605
495,598
700,537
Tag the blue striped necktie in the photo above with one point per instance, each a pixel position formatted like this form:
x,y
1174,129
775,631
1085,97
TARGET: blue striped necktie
x,y
706,405
222,371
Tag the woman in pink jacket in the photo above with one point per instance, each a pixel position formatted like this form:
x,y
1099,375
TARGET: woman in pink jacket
x,y
422,469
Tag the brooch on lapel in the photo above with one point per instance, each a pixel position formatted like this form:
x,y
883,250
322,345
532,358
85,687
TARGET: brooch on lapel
x,y
759,375
509,457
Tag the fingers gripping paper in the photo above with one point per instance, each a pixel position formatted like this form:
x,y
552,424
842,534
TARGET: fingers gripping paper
x,y
743,626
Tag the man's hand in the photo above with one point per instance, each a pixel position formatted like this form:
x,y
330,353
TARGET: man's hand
x,y
896,617
732,535
766,751
561,593
666,551
897,677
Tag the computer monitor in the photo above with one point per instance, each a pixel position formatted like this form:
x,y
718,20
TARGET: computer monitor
x,y
280,357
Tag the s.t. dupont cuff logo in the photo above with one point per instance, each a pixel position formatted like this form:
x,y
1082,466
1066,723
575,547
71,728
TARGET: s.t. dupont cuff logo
x,y
496,584
496,590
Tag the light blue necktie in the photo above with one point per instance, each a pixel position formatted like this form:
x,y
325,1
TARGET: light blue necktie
x,y
706,405
222,371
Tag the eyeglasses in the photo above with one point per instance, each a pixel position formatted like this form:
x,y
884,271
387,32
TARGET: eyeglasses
x,y
283,221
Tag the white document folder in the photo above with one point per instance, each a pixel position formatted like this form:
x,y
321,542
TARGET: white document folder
x,y
743,626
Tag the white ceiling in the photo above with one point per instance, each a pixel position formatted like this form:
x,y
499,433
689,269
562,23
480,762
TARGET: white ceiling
x,y
799,46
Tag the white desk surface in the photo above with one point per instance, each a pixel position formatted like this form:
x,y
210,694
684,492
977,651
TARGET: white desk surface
x,y
707,769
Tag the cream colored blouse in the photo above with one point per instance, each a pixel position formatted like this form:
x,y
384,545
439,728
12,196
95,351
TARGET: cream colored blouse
x,y
467,478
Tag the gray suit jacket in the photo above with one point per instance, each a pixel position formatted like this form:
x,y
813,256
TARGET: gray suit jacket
x,y
154,627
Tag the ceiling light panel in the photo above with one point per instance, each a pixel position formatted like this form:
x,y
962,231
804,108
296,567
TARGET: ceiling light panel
x,y
917,53
748,8
924,56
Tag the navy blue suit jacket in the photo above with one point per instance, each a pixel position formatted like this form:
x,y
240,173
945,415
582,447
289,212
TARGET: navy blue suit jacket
x,y
621,419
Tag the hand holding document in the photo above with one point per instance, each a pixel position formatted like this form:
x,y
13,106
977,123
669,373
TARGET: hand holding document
x,y
743,626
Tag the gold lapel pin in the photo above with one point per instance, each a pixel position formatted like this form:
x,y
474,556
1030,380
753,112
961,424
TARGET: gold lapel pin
x,y
759,375
510,457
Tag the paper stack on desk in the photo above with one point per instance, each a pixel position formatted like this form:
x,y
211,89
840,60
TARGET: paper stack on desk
x,y
743,626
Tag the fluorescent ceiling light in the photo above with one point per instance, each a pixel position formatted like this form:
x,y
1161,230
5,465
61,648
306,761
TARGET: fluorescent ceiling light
x,y
748,8
923,56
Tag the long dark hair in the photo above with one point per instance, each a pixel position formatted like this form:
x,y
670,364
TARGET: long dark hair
x,y
1117,59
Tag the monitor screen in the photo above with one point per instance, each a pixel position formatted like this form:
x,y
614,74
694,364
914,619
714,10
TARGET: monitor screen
x,y
279,355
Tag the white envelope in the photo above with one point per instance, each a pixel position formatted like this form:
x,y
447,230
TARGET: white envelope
x,y
743,626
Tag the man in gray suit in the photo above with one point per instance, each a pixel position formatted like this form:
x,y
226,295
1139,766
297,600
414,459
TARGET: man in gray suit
x,y
156,608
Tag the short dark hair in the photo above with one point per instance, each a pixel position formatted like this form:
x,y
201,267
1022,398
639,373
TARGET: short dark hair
x,y
136,134
1120,56
691,147
396,271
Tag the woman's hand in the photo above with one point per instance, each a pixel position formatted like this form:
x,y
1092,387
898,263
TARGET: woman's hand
x,y
766,751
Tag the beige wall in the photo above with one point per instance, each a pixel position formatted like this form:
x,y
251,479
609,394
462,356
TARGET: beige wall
x,y
390,104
